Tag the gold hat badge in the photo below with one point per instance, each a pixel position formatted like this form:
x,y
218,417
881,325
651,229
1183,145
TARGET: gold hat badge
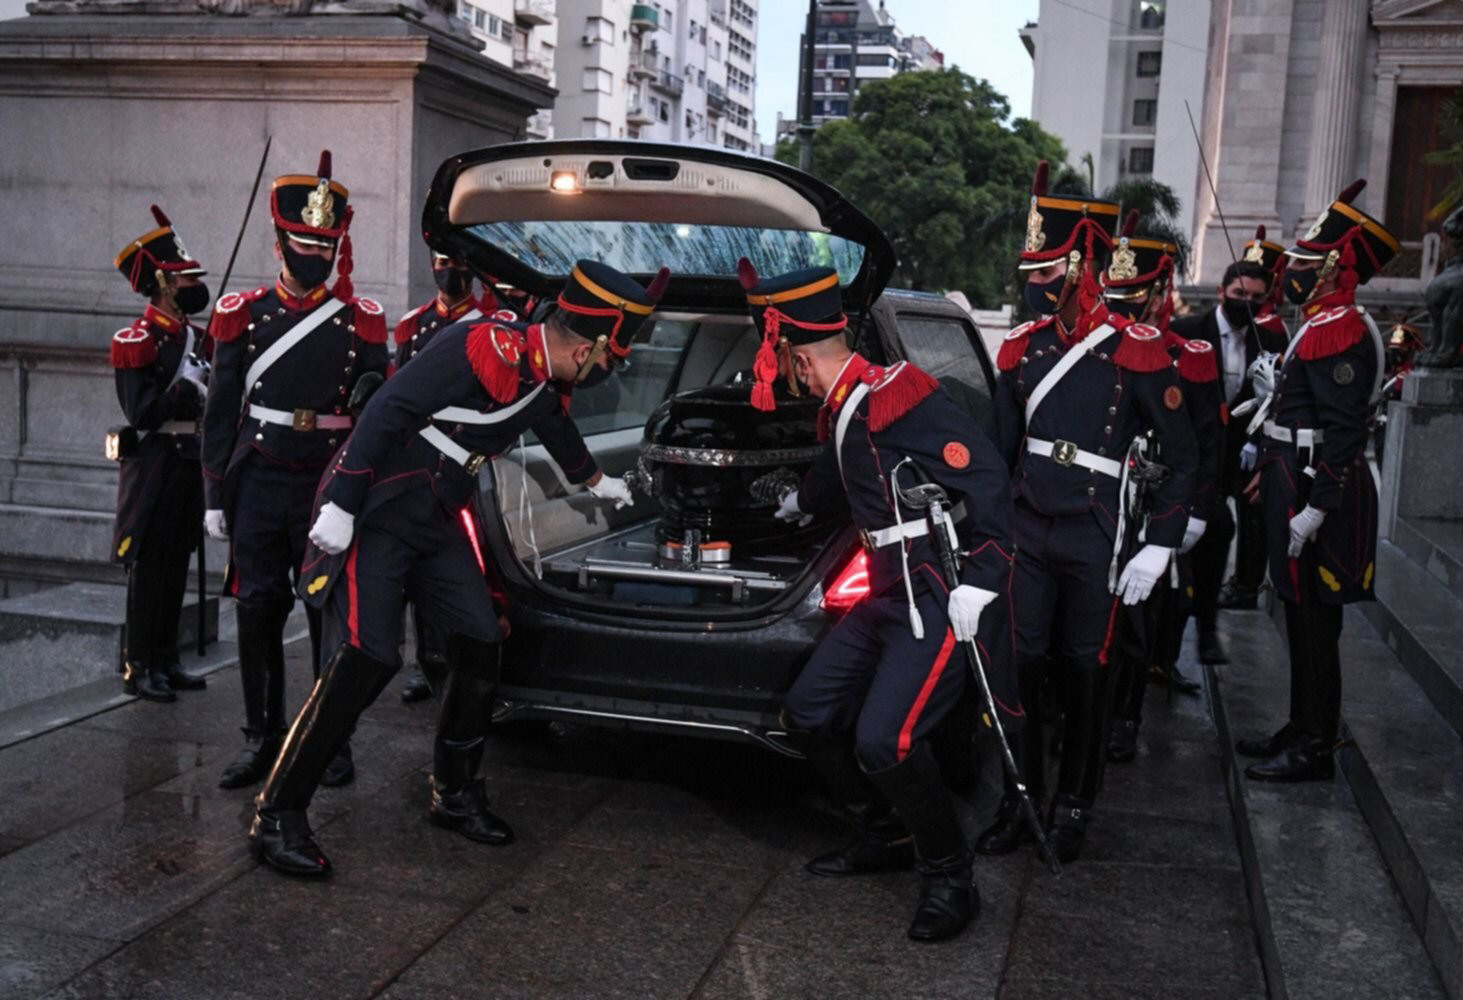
x,y
1035,238
319,210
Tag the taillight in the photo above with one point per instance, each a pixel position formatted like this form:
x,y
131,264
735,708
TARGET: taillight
x,y
850,586
470,523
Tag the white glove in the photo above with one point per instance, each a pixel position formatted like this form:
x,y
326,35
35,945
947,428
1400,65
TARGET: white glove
x,y
333,530
1303,528
612,488
1249,456
1143,571
789,511
216,525
966,604
1262,374
1193,531
197,374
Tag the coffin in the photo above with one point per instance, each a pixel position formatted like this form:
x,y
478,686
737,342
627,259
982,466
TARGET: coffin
x,y
718,466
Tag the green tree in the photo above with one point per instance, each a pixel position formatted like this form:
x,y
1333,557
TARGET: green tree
x,y
1450,127
937,161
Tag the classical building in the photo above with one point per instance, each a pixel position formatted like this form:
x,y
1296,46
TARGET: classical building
x,y
673,71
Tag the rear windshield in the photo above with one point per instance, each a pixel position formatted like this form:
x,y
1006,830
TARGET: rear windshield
x,y
551,248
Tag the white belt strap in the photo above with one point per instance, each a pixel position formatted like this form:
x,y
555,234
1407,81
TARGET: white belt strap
x,y
1301,437
188,344
469,460
914,529
1067,453
300,420
845,415
1086,346
177,427
284,344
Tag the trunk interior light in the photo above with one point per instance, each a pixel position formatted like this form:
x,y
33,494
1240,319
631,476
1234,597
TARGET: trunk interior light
x,y
563,182
851,585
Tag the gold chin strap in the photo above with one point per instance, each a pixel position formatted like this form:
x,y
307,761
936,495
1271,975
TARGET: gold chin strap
x,y
784,348
165,289
1328,268
601,344
1074,261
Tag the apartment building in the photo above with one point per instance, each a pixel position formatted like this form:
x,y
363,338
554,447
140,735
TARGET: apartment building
x,y
857,41
522,34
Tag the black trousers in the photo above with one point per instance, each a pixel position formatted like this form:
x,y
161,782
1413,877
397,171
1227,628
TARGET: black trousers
x,y
157,580
270,527
1313,631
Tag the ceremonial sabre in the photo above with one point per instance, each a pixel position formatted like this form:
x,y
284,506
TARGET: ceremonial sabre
x,y
931,498
1204,162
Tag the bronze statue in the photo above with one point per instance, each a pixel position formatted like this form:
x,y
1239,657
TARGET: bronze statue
x,y
1444,300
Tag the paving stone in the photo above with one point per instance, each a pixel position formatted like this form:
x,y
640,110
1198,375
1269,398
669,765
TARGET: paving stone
x,y
584,922
33,961
1162,895
1128,989
1144,838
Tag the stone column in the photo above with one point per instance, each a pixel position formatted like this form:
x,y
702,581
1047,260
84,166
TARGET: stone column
x,y
1333,112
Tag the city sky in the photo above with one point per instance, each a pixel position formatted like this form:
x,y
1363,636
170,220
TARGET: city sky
x,y
979,36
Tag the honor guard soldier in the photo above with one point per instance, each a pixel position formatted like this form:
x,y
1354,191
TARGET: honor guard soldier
x,y
1243,325
1079,391
287,360
390,529
879,684
161,384
453,303
1139,286
1316,489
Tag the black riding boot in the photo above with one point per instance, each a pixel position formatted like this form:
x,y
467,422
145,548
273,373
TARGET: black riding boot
x,y
948,898
280,834
261,671
142,674
431,662
166,612
342,770
880,843
459,796
1086,709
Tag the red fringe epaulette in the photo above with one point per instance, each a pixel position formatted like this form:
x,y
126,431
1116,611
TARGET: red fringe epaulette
x,y
408,324
231,317
370,320
1142,349
1331,332
133,348
1273,323
1197,362
894,391
1013,348
494,352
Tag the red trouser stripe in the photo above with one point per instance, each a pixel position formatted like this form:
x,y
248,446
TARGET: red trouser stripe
x,y
906,734
354,619
1112,629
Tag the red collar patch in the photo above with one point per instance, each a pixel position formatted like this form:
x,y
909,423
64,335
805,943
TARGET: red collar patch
x,y
537,352
155,319
852,373
300,303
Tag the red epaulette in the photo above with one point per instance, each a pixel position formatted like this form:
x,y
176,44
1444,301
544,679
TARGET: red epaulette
x,y
1013,347
370,320
894,391
1273,323
1141,349
1197,361
231,317
407,326
1329,332
133,347
494,352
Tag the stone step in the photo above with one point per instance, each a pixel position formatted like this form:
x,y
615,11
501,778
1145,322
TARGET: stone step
x,y
1435,544
1404,762
65,637
1329,917
1421,621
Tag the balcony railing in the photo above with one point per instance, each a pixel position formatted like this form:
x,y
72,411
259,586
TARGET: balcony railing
x,y
533,13
534,64
670,83
646,65
638,114
644,17
715,98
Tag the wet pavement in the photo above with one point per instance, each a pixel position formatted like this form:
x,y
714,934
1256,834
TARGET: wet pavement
x,y
645,867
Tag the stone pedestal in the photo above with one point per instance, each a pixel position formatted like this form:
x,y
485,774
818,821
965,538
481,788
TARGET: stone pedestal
x,y
108,107
1421,477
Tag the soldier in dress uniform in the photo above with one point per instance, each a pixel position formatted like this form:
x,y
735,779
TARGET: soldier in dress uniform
x,y
161,385
1077,388
877,687
288,358
389,528
453,303
1316,489
1139,286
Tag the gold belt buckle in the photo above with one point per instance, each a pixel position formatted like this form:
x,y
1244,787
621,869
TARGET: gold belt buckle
x,y
867,537
304,420
474,463
1064,453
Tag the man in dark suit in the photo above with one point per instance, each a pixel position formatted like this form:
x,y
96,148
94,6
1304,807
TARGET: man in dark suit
x,y
1239,327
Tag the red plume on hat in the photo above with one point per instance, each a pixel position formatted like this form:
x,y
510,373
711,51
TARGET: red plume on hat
x,y
1130,224
1352,190
1038,184
658,284
747,274
162,220
1260,233
323,170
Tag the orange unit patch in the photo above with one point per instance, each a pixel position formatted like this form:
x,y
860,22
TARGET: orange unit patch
x,y
957,456
1173,397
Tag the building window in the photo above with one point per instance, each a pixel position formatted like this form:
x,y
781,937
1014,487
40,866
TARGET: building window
x,y
479,18
495,26
464,11
666,22
1140,160
1145,112
701,78
600,29
1150,14
595,128
665,111
599,80
1150,63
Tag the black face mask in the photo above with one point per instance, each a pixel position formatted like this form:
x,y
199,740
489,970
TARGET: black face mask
x,y
1300,284
1129,308
192,299
310,270
1042,297
1239,312
452,282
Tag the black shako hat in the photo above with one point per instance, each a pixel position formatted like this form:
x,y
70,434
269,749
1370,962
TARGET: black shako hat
x,y
1138,262
1261,251
600,302
160,249
1346,236
310,208
1058,224
792,309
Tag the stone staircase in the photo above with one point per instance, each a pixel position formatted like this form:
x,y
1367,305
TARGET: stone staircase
x,y
1357,885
